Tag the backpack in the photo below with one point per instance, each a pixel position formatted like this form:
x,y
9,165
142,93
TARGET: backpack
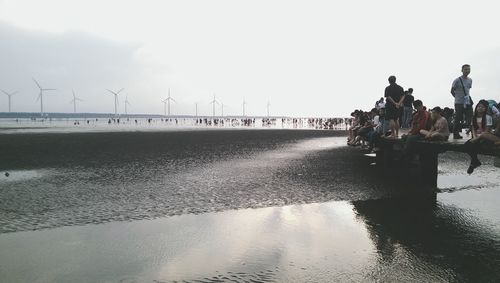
x,y
491,103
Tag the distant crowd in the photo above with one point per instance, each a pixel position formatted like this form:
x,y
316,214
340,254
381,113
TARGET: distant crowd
x,y
271,122
399,109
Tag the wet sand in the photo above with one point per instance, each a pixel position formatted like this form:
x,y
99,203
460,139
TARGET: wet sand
x,y
214,206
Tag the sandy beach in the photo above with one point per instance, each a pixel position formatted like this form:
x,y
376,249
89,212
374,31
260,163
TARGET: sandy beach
x,y
241,205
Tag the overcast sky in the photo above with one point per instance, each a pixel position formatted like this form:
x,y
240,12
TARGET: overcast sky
x,y
308,58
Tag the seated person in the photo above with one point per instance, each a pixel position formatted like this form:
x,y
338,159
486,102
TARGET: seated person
x,y
482,134
440,130
371,121
420,121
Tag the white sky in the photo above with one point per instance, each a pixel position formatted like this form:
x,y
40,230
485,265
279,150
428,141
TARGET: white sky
x,y
309,58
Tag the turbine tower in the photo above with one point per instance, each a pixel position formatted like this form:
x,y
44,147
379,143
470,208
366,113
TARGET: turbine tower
x,y
126,103
116,99
213,102
196,108
244,103
10,96
40,96
164,107
222,105
167,101
268,104
74,101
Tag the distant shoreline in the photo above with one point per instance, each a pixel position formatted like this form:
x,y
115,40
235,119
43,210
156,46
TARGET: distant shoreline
x,y
50,115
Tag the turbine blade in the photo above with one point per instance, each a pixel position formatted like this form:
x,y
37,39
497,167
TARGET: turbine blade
x,y
15,92
111,91
120,91
38,98
37,83
173,100
4,91
43,89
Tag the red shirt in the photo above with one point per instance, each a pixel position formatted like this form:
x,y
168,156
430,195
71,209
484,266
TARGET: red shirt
x,y
419,122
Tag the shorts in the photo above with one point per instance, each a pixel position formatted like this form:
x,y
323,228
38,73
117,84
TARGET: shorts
x,y
393,113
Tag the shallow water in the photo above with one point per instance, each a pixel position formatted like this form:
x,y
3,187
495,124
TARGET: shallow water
x,y
388,240
246,206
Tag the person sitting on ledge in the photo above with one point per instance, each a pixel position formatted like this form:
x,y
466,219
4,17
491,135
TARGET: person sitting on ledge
x,y
420,121
481,124
439,130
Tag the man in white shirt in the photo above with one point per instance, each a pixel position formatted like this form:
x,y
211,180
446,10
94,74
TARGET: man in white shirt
x,y
460,89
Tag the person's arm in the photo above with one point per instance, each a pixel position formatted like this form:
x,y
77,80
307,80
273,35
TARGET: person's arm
x,y
453,88
473,132
489,123
400,102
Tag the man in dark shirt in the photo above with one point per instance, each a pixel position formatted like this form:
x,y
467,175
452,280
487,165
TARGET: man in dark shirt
x,y
394,102
407,108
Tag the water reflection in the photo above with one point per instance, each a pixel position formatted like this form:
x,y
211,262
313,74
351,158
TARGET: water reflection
x,y
450,243
391,240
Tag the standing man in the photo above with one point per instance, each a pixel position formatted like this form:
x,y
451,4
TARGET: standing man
x,y
460,89
408,108
394,102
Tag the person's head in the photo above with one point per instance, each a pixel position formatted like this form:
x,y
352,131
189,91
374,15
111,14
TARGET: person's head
x,y
410,90
480,111
466,70
392,79
481,108
381,112
373,112
436,112
418,104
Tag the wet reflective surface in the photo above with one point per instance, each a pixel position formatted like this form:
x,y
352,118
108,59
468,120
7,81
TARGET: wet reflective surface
x,y
279,207
94,178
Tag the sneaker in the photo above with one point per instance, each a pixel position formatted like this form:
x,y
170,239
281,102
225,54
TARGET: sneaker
x,y
457,137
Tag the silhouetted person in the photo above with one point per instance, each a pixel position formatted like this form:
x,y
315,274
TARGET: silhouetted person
x,y
394,102
408,108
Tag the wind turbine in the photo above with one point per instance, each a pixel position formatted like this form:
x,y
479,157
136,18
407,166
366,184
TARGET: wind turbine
x,y
268,104
167,101
244,103
116,99
213,102
40,96
74,100
9,95
222,105
126,103
196,108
